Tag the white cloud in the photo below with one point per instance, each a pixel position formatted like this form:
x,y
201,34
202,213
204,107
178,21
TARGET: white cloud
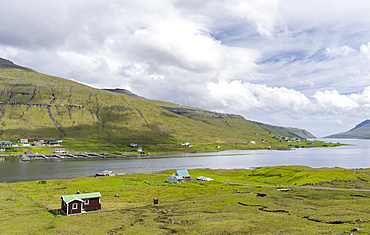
x,y
365,49
239,95
340,51
273,60
334,100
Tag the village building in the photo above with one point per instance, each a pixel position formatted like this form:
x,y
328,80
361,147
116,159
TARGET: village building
x,y
60,150
5,143
174,179
80,203
179,177
203,178
2,149
184,173
53,143
23,141
26,144
59,140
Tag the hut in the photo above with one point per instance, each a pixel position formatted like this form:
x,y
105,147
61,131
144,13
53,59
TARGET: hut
x,y
184,174
80,203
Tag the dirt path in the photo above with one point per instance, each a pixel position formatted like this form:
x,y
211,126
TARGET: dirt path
x,y
308,187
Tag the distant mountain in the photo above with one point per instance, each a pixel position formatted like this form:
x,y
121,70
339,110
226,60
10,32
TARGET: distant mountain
x,y
361,131
222,118
9,64
286,131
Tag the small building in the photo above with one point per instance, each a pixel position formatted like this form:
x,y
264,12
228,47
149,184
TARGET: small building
x,y
80,203
5,143
30,139
41,140
26,144
140,150
185,143
2,149
27,152
174,179
23,141
53,143
252,142
59,140
133,145
60,150
203,178
184,174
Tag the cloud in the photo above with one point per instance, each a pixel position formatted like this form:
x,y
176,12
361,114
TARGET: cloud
x,y
340,51
268,60
333,100
365,49
240,95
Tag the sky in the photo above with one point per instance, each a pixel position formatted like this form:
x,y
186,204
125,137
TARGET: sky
x,y
296,63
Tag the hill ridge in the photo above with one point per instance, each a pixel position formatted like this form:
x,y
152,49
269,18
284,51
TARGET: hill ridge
x,y
360,131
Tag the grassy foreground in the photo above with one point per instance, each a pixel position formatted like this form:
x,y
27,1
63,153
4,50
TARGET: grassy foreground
x,y
197,207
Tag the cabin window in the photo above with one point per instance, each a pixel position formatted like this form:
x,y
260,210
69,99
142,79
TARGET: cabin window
x,y
86,201
74,206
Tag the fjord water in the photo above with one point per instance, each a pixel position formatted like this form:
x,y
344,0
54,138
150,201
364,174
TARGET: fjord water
x,y
357,155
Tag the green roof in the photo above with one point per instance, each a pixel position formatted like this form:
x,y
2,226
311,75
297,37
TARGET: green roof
x,y
80,197
182,173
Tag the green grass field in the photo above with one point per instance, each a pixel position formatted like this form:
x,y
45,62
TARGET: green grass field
x,y
197,207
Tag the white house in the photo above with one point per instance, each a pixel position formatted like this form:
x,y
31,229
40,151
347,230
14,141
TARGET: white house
x,y
23,141
60,150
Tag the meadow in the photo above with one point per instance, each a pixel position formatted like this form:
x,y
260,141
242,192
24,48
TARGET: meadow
x,y
238,201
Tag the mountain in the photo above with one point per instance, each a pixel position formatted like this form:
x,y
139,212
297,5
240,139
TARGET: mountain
x,y
222,119
38,105
361,131
286,131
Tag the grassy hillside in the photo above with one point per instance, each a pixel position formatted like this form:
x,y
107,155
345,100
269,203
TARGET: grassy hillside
x,y
233,121
35,105
286,131
38,105
197,207
361,131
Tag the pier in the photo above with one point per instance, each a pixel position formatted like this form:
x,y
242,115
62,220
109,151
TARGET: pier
x,y
59,156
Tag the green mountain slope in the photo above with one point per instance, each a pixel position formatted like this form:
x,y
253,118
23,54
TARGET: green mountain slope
x,y
233,121
35,105
38,105
286,131
361,131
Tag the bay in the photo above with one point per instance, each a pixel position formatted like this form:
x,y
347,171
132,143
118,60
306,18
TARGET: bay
x,y
357,155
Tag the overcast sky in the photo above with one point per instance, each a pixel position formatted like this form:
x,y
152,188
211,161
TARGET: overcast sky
x,y
292,63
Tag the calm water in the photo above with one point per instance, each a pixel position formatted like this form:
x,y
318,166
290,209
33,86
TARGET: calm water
x,y
357,156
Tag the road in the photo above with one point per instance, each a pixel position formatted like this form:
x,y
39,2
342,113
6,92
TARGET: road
x,y
307,187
